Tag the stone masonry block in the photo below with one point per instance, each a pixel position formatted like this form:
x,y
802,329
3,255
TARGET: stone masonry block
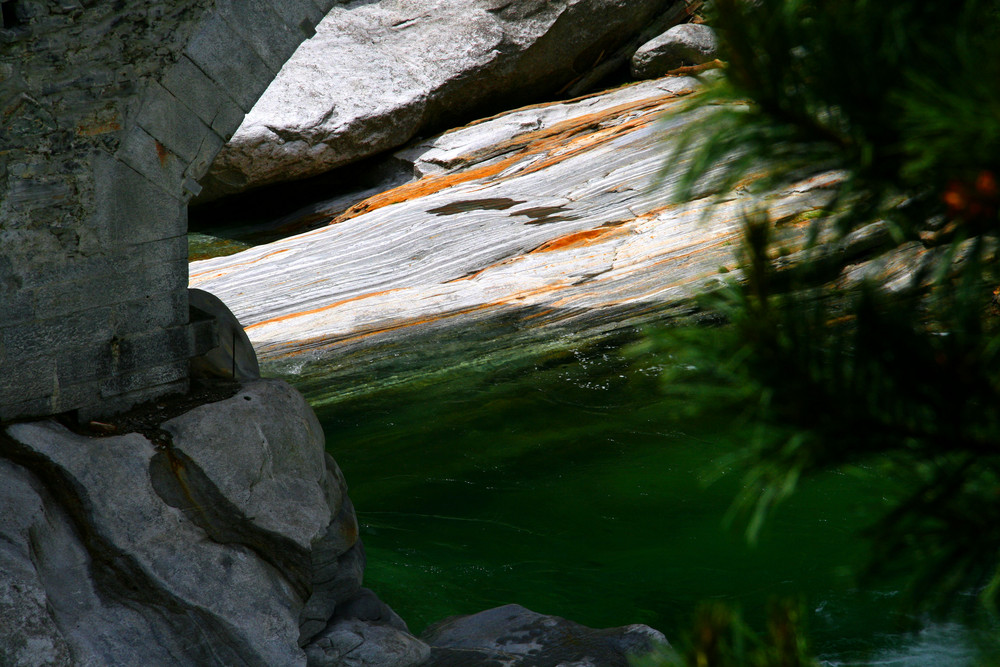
x,y
47,336
84,363
207,99
149,313
144,380
228,60
131,354
262,28
70,296
30,378
210,147
55,270
71,397
15,306
326,5
171,123
151,158
31,407
297,13
161,278
170,249
115,404
227,121
130,206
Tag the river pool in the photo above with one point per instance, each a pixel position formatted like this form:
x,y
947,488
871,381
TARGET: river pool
x,y
563,481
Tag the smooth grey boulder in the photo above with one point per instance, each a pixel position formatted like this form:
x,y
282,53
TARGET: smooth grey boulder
x,y
378,73
512,636
365,631
223,535
685,44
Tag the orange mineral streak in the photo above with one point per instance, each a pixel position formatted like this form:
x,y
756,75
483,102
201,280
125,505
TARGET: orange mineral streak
x,y
162,153
216,272
556,141
579,239
329,306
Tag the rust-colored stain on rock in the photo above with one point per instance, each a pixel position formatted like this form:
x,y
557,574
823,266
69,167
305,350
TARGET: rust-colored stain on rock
x,y
162,153
556,142
579,239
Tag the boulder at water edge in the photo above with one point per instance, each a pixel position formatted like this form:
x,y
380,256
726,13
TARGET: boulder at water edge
x,y
377,73
222,535
513,636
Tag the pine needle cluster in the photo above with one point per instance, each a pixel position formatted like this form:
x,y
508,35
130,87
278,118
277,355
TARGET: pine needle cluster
x,y
903,98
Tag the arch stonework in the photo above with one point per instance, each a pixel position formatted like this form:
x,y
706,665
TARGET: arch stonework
x,y
110,112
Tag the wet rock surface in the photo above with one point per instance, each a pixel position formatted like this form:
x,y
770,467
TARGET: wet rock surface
x,y
223,537
512,636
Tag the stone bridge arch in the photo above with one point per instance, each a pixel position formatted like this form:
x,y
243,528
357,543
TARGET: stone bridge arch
x,y
110,112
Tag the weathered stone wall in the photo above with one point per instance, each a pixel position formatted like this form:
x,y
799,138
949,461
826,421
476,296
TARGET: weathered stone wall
x,y
109,114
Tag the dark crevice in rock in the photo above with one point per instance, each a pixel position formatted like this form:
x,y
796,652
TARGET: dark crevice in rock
x,y
180,483
120,578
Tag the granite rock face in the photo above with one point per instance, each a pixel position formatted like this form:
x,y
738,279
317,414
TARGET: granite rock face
x,y
222,536
378,73
512,636
685,44
548,218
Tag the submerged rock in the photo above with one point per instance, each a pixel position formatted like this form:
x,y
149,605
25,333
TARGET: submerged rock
x,y
512,636
685,44
378,73
221,536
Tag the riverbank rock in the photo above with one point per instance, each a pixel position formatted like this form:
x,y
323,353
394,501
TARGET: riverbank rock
x,y
685,44
550,218
378,73
517,637
222,535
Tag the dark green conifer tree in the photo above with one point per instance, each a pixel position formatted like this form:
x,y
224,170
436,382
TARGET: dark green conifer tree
x,y
903,97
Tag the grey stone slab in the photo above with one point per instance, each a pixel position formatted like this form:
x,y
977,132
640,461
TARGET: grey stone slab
x,y
15,304
28,377
136,352
89,291
228,120
160,278
71,397
227,59
83,363
209,148
145,380
299,13
146,314
197,91
168,249
132,209
112,405
154,160
262,28
32,407
170,122
29,340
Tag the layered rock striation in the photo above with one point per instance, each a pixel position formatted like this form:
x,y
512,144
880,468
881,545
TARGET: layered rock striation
x,y
556,217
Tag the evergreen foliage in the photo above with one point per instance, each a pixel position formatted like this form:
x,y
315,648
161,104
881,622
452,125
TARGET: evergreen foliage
x,y
903,97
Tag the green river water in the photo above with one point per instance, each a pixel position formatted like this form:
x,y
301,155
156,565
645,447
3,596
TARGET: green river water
x,y
562,481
